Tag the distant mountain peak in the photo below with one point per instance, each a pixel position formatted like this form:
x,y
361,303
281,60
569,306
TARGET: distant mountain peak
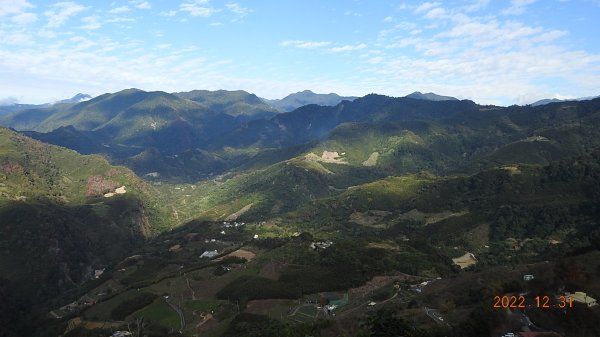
x,y
76,99
306,97
556,100
430,96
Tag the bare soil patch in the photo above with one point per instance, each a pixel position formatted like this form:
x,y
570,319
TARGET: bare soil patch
x,y
465,261
246,254
327,157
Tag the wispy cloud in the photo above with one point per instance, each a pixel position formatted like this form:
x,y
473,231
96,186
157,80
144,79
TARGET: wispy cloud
x,y
426,6
168,13
61,12
305,44
473,54
517,7
199,8
348,47
119,10
352,13
24,18
91,22
141,4
238,9
476,5
13,6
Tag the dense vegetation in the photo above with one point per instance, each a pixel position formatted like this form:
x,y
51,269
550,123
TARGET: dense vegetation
x,y
399,186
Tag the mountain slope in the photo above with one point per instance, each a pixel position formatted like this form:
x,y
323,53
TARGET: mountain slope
x,y
313,122
237,103
56,224
306,97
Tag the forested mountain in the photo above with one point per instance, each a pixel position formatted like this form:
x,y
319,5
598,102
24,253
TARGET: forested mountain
x,y
319,200
62,216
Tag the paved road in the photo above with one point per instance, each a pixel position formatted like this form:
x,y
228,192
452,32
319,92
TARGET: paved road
x,y
435,315
179,312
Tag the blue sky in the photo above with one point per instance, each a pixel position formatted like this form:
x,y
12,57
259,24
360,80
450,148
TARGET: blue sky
x,y
496,52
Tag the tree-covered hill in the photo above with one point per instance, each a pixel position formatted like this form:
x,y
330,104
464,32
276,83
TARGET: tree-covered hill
x,y
62,216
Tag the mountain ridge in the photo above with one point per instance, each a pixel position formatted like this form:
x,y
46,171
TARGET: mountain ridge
x,y
306,97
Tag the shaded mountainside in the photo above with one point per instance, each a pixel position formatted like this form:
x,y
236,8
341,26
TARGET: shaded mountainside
x,y
313,122
56,224
294,101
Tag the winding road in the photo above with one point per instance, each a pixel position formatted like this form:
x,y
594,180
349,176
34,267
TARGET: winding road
x,y
179,312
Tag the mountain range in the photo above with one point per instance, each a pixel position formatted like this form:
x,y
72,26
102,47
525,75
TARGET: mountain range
x,y
555,100
306,97
361,201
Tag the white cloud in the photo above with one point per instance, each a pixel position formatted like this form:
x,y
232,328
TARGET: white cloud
x,y
305,44
517,7
375,60
237,9
476,5
24,18
436,13
142,5
388,19
61,12
82,43
13,6
198,8
351,13
426,6
91,22
487,58
168,13
348,48
118,10
15,37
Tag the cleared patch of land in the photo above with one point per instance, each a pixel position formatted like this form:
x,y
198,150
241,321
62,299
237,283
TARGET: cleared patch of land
x,y
465,261
248,255
234,216
327,157
372,160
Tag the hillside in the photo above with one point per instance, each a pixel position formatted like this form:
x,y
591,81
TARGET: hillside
x,y
401,230
238,103
58,223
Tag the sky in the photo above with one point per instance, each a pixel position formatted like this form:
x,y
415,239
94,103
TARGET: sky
x,y
493,52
